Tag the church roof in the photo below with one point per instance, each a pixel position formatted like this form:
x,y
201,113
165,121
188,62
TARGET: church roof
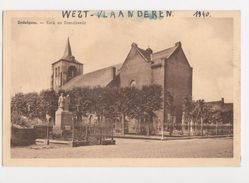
x,y
101,78
110,75
150,56
166,53
68,52
68,56
145,53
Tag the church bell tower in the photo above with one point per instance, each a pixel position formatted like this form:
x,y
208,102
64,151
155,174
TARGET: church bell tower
x,y
65,68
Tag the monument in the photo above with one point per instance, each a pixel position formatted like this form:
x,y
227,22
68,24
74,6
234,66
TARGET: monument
x,y
63,117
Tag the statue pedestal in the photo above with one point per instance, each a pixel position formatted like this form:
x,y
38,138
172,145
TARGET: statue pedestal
x,y
63,121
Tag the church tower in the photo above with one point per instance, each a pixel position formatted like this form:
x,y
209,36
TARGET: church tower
x,y
65,69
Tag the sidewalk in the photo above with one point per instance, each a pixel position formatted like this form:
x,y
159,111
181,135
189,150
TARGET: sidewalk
x,y
158,137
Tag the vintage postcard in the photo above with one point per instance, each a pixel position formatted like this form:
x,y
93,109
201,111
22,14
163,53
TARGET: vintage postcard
x,y
121,88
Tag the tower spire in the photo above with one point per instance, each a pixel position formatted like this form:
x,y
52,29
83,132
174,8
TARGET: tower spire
x,y
68,52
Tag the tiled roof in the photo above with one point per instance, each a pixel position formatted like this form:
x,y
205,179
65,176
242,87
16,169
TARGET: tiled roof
x,y
75,61
145,53
101,77
220,106
227,107
164,53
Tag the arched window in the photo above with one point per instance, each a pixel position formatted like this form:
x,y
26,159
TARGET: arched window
x,y
56,72
133,83
71,72
59,71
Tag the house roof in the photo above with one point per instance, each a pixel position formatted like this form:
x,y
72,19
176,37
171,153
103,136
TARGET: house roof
x,y
219,102
227,107
220,106
101,77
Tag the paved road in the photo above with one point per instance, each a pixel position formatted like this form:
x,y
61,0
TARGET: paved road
x,y
133,148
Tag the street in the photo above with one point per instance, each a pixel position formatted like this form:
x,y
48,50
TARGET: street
x,y
134,148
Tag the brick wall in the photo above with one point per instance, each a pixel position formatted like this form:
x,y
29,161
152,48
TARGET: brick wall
x,y
178,79
62,78
157,69
135,68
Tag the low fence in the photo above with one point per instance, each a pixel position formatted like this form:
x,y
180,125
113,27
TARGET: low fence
x,y
90,133
180,130
207,129
93,134
43,131
96,133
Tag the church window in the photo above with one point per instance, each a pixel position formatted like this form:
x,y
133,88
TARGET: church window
x,y
133,83
55,72
71,72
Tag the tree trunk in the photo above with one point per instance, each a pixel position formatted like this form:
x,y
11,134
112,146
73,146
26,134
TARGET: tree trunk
x,y
201,126
98,119
148,124
189,127
162,129
192,132
148,127
73,132
170,125
47,141
183,122
195,127
86,128
112,130
139,126
123,124
216,127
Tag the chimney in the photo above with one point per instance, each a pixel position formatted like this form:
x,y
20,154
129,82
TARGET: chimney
x,y
222,100
113,72
178,44
133,45
149,50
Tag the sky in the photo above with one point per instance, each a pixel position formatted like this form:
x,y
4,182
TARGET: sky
x,y
207,44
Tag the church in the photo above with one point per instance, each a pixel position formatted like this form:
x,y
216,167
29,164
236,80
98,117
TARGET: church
x,y
169,68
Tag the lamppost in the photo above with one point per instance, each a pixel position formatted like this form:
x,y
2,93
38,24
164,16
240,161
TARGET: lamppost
x,y
47,141
74,121
162,129
48,119
29,109
74,118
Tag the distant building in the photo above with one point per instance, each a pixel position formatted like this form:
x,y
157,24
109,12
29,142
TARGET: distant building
x,y
168,68
226,109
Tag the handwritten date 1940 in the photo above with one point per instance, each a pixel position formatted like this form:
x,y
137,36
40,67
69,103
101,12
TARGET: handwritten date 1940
x,y
202,14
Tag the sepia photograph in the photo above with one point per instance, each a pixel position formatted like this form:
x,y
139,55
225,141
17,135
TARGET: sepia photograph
x,y
121,88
